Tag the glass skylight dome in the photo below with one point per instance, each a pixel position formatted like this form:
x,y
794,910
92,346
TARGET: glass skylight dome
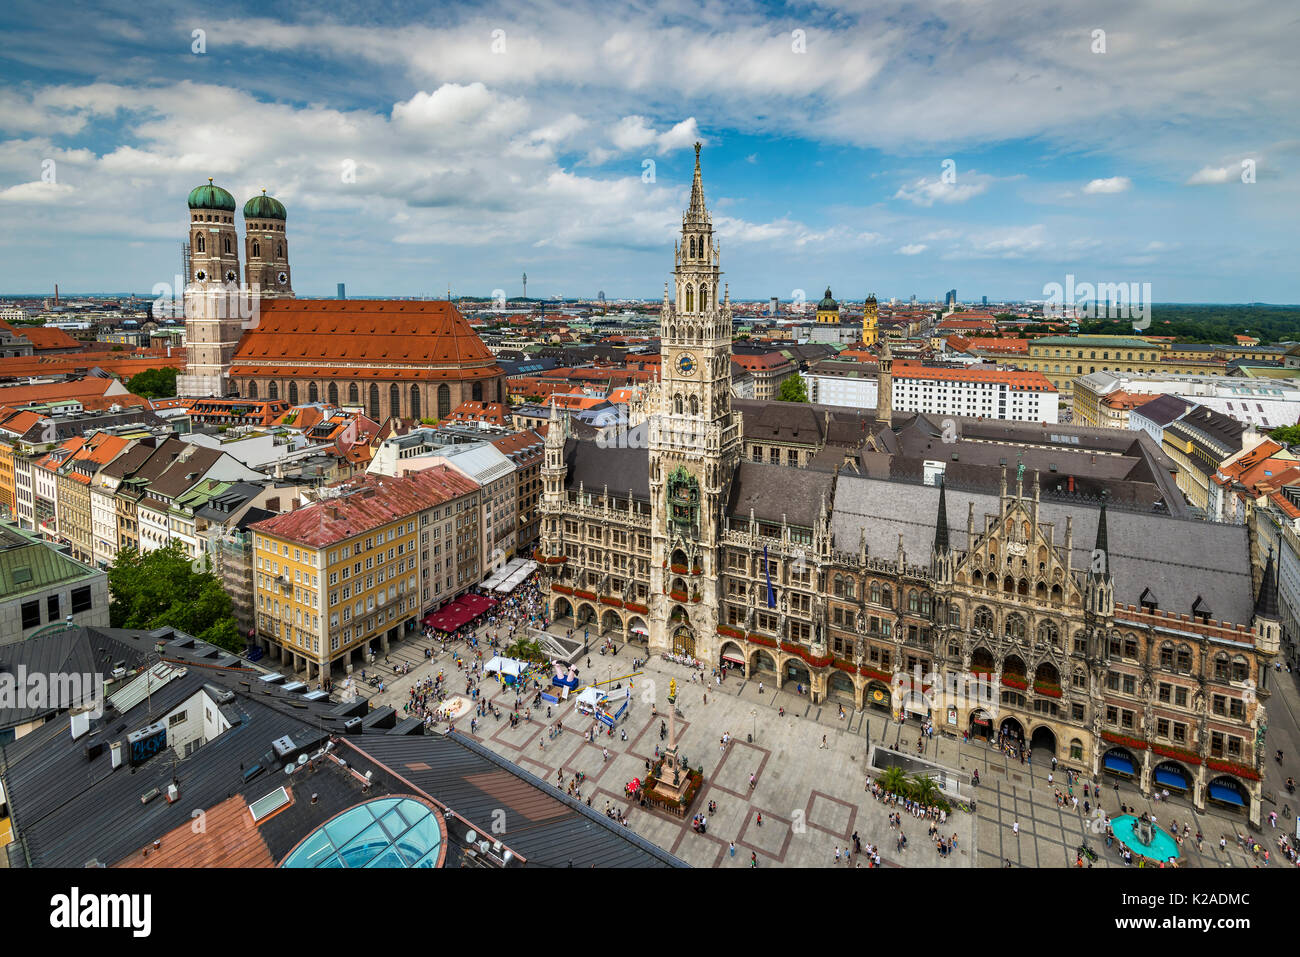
x,y
386,832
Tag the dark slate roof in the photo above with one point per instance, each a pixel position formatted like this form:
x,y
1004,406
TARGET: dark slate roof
x,y
777,491
1176,558
1163,409
543,824
622,470
804,423
78,651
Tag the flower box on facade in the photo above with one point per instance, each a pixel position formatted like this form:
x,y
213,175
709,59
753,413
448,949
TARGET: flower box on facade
x,y
580,593
679,569
562,589
1231,767
677,595
761,640
1187,757
1123,739
1012,681
549,559
696,598
1047,688
611,600
639,609
843,665
730,632
816,661
876,673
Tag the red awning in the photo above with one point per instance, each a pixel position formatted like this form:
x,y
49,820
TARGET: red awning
x,y
734,661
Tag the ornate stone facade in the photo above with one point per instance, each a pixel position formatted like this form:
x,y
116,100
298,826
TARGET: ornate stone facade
x,y
1031,620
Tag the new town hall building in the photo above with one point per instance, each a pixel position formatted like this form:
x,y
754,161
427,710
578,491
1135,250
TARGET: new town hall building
x,y
1138,645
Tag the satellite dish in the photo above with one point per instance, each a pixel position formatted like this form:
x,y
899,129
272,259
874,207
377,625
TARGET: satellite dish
x,y
302,759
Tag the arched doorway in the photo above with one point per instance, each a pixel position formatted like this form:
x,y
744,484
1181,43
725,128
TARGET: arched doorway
x,y
1043,739
584,617
561,608
981,724
879,697
1172,776
609,621
1119,762
637,630
732,657
684,641
840,686
1012,731
764,665
797,671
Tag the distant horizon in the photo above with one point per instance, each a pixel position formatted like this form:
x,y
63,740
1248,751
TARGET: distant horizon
x,y
922,147
809,303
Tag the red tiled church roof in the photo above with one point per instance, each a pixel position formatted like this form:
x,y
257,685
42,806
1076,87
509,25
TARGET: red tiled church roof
x,y
327,333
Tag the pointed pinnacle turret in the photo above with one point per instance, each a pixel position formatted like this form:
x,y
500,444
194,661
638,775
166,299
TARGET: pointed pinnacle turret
x,y
697,212
1101,549
941,523
1266,603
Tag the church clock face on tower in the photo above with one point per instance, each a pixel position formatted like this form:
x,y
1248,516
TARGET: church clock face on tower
x,y
686,364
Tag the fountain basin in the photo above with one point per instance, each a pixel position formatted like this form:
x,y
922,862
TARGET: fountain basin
x,y
1161,848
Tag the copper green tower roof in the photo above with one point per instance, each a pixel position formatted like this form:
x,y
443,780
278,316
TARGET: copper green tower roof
x,y
264,207
211,197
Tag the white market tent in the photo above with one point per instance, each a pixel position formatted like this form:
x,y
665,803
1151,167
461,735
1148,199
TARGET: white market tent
x,y
506,666
591,696
516,577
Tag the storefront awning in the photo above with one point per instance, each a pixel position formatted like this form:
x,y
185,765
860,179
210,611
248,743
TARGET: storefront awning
x,y
1226,794
1171,778
733,659
1118,762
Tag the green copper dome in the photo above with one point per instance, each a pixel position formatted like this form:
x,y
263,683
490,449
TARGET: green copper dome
x,y
828,304
264,207
211,197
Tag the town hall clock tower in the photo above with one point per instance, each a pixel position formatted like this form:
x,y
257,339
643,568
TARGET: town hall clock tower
x,y
694,443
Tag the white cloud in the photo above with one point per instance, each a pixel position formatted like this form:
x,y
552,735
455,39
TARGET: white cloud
x,y
913,249
927,192
1113,184
1212,176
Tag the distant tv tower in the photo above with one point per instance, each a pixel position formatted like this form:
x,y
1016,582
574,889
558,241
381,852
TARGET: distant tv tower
x,y
525,285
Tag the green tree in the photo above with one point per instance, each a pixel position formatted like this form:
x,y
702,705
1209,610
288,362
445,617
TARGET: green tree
x,y
793,389
923,788
154,383
162,589
1287,435
894,779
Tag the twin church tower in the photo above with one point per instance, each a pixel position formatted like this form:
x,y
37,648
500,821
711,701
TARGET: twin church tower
x,y
216,308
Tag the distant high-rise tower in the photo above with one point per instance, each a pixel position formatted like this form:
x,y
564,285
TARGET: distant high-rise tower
x,y
601,296
950,298
525,285
984,300
343,291
772,306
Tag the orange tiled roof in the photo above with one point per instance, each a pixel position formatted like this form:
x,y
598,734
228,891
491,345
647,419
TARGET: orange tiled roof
x,y
330,333
229,838
1028,381
42,339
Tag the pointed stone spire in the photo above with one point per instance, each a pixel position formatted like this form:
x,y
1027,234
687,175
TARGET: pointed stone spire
x,y
1266,602
941,523
696,212
1101,547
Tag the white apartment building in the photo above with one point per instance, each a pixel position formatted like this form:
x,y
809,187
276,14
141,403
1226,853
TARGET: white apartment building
x,y
852,385
990,393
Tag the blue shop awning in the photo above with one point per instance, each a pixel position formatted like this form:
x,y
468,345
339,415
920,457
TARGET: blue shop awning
x,y
1115,761
1227,794
1171,778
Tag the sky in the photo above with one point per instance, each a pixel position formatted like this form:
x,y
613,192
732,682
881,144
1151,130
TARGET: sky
x,y
883,147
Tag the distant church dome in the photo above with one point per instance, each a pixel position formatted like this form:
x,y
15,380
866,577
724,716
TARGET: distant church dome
x,y
828,304
211,197
264,207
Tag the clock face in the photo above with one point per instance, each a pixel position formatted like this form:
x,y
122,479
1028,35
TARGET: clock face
x,y
201,275
686,364
230,275
283,278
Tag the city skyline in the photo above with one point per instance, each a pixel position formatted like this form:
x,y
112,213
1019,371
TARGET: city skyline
x,y
893,153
